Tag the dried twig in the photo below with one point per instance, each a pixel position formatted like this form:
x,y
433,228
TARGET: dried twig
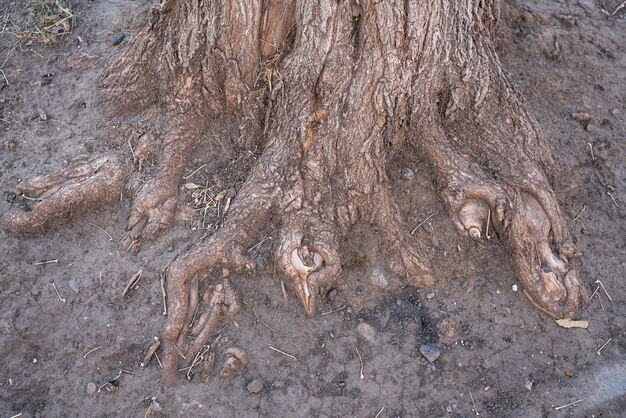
x,y
613,198
334,310
604,345
380,412
283,353
362,364
603,288
422,223
266,325
58,294
194,172
102,229
474,404
92,350
132,282
580,213
151,352
162,280
45,262
569,404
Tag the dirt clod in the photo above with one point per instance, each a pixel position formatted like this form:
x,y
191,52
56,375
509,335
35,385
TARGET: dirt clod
x,y
255,386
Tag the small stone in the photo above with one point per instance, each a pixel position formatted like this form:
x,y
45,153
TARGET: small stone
x,y
379,279
91,388
408,173
430,351
117,39
367,331
515,288
430,295
256,386
74,285
43,116
261,262
231,192
34,360
528,384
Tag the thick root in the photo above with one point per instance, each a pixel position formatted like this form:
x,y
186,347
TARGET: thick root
x,y
85,185
183,301
308,256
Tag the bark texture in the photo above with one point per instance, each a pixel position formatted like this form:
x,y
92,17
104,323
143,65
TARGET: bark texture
x,y
329,90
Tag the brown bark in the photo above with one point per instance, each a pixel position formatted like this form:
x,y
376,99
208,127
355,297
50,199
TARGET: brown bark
x,y
330,90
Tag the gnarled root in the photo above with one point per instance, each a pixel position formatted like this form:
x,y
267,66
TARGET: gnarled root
x,y
86,184
183,287
308,255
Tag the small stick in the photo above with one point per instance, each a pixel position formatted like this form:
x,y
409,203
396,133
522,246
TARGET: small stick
x,y
158,360
604,345
197,358
380,412
58,294
594,293
603,288
162,280
100,279
45,262
581,212
194,172
593,157
20,414
614,201
283,353
282,286
180,352
335,310
132,151
474,404
151,352
422,223
262,322
569,404
132,282
102,229
600,300
259,243
92,350
361,360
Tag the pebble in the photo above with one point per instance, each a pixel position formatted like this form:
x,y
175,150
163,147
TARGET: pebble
x,y
408,173
430,295
43,116
430,351
367,331
528,384
256,386
261,262
74,285
91,388
514,287
117,39
10,197
379,279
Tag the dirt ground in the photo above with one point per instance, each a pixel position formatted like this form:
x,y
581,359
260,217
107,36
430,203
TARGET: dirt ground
x,y
499,355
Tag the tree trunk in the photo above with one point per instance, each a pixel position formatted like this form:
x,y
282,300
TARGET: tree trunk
x,y
330,90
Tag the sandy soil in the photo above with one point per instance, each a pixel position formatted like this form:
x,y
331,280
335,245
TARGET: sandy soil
x,y
499,355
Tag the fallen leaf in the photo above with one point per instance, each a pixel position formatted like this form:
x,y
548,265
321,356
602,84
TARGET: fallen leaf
x,y
568,323
191,186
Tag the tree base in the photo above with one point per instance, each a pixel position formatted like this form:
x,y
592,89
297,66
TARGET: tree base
x,y
326,139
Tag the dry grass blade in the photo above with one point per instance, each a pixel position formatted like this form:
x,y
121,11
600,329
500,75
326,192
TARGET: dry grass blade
x,y
53,18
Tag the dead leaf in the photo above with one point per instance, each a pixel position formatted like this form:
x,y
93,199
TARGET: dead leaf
x,y
191,186
568,323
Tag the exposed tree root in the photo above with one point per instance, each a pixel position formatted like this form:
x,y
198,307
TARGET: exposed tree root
x,y
86,184
345,84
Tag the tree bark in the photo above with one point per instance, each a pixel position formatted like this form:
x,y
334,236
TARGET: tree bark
x,y
330,90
